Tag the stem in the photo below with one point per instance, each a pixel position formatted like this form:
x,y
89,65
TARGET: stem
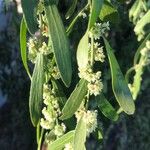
x,y
38,132
92,51
75,19
128,73
40,140
119,111
87,101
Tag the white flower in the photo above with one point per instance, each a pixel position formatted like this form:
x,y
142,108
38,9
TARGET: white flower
x,y
68,146
148,44
59,129
83,15
95,87
32,47
44,49
144,51
90,118
48,115
56,73
99,55
98,30
55,103
91,121
46,124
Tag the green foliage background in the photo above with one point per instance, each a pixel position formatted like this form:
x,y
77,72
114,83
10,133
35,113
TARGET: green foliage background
x,y
16,131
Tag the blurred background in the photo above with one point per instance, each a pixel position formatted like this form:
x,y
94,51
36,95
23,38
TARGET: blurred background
x,y
16,131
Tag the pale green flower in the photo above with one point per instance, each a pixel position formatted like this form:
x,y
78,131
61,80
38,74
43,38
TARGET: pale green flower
x,y
46,124
90,118
95,88
56,73
68,146
59,130
44,49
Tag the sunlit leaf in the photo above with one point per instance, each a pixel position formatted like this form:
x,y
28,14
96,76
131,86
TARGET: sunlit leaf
x,y
36,90
106,108
59,92
59,144
95,11
60,43
23,45
119,85
83,52
74,100
29,10
80,135
109,13
71,9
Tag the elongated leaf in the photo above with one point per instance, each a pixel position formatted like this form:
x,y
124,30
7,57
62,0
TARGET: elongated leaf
x,y
59,144
119,85
100,135
36,90
109,13
71,9
95,11
60,43
137,54
29,10
74,100
23,46
106,108
83,52
60,94
80,135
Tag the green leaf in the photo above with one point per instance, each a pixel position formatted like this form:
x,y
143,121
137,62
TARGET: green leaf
x,y
71,9
36,90
95,11
59,92
23,45
75,99
109,13
80,135
59,144
83,52
29,11
100,135
106,108
137,54
119,85
60,43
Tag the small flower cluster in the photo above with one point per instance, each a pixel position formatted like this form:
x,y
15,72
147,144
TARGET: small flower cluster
x,y
90,117
145,52
68,146
55,73
98,52
34,47
42,21
83,14
99,29
51,112
95,85
144,61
